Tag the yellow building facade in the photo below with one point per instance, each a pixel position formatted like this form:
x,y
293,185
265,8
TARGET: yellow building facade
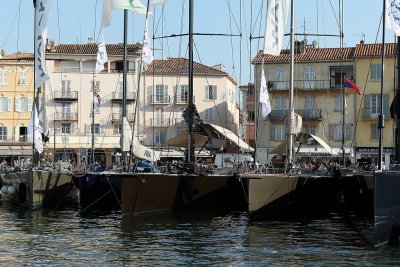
x,y
16,99
368,66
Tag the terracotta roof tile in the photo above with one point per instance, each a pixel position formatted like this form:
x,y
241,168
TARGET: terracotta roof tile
x,y
18,57
91,49
180,65
368,50
310,55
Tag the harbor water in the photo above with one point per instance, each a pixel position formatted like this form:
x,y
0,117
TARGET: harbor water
x,y
67,238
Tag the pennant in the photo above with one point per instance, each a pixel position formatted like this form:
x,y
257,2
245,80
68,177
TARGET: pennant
x,y
264,97
134,6
277,14
101,53
35,131
42,8
392,16
350,84
147,54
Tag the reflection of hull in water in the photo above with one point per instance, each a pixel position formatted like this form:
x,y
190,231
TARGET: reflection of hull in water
x,y
39,188
374,203
290,195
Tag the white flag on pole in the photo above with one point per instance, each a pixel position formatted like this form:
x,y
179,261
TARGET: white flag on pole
x,y
35,131
277,14
134,6
392,14
101,53
147,54
264,97
42,10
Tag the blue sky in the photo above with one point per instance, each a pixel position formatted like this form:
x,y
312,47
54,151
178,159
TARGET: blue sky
x,y
75,21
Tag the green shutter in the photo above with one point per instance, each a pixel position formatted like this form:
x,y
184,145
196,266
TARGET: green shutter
x,y
367,106
386,105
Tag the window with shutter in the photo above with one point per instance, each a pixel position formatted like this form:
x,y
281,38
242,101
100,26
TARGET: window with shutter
x,y
23,77
3,76
3,104
374,131
3,133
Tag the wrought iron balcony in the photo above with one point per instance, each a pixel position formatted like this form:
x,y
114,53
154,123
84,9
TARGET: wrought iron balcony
x,y
65,95
118,116
310,114
158,122
117,96
160,99
65,116
278,114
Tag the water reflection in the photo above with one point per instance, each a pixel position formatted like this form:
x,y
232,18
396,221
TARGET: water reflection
x,y
61,238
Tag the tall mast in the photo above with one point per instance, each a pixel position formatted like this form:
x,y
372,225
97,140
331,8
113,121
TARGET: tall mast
x,y
381,117
34,84
291,83
397,106
124,73
190,151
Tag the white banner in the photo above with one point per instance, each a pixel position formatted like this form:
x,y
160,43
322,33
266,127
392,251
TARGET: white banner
x,y
41,17
277,14
264,96
134,6
35,131
392,14
147,54
102,57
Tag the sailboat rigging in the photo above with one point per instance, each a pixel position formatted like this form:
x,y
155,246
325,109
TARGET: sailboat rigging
x,y
39,185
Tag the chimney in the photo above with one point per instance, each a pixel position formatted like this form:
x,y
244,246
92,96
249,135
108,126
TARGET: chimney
x,y
2,53
361,41
219,67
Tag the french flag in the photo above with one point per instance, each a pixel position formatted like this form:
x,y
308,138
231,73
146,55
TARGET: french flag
x,y
350,84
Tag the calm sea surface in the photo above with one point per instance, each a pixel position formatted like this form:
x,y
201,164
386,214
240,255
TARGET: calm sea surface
x,y
61,238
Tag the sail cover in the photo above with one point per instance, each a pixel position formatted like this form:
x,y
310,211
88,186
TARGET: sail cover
x,y
231,136
138,150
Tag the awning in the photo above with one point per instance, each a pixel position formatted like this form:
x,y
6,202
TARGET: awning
x,y
182,140
172,153
16,150
306,139
232,137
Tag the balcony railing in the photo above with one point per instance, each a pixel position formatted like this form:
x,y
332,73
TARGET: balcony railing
x,y
310,114
65,95
117,96
160,99
66,116
305,85
278,114
158,122
118,116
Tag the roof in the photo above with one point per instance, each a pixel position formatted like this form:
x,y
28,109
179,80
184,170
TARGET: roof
x,y
18,57
310,55
180,65
369,50
91,49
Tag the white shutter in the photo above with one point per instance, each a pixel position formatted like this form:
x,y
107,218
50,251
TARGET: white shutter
x,y
9,133
9,104
17,131
206,93
17,104
29,104
72,128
